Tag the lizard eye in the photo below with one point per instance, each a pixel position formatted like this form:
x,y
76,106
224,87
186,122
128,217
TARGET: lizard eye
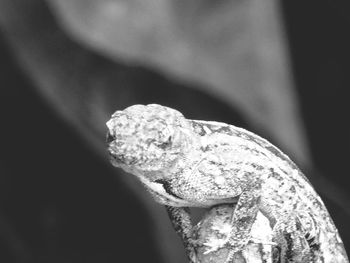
x,y
165,144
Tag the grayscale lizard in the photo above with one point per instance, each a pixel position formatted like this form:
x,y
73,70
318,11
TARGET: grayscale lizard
x,y
189,163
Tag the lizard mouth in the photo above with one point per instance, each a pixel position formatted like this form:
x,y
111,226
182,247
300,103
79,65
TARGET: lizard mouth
x,y
109,138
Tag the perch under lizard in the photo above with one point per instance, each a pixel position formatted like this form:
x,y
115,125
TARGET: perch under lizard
x,y
190,163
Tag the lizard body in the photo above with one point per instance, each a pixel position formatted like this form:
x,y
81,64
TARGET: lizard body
x,y
189,163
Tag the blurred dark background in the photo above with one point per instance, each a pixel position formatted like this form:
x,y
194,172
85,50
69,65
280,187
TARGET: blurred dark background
x,y
61,201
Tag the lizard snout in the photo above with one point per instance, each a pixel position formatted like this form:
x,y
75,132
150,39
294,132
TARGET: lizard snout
x,y
110,138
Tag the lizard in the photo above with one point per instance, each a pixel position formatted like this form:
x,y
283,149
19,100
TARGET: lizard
x,y
187,163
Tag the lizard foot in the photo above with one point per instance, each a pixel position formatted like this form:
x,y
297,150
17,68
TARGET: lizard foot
x,y
214,244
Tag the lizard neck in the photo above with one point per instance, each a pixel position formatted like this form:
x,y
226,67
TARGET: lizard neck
x,y
189,156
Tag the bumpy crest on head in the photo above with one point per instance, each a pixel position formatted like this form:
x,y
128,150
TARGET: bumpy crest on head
x,y
145,137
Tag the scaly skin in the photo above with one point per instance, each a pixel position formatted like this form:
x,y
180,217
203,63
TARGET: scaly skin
x,y
188,163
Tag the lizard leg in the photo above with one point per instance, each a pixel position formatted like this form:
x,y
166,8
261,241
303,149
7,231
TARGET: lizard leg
x,y
242,220
293,240
181,220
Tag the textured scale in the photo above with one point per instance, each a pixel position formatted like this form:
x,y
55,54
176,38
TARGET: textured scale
x,y
188,163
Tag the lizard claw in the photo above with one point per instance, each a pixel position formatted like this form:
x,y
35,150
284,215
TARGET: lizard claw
x,y
214,244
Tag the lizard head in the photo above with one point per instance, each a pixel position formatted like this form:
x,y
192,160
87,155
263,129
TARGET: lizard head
x,y
146,138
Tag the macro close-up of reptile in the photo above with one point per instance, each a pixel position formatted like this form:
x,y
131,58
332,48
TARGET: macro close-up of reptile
x,y
190,163
229,142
